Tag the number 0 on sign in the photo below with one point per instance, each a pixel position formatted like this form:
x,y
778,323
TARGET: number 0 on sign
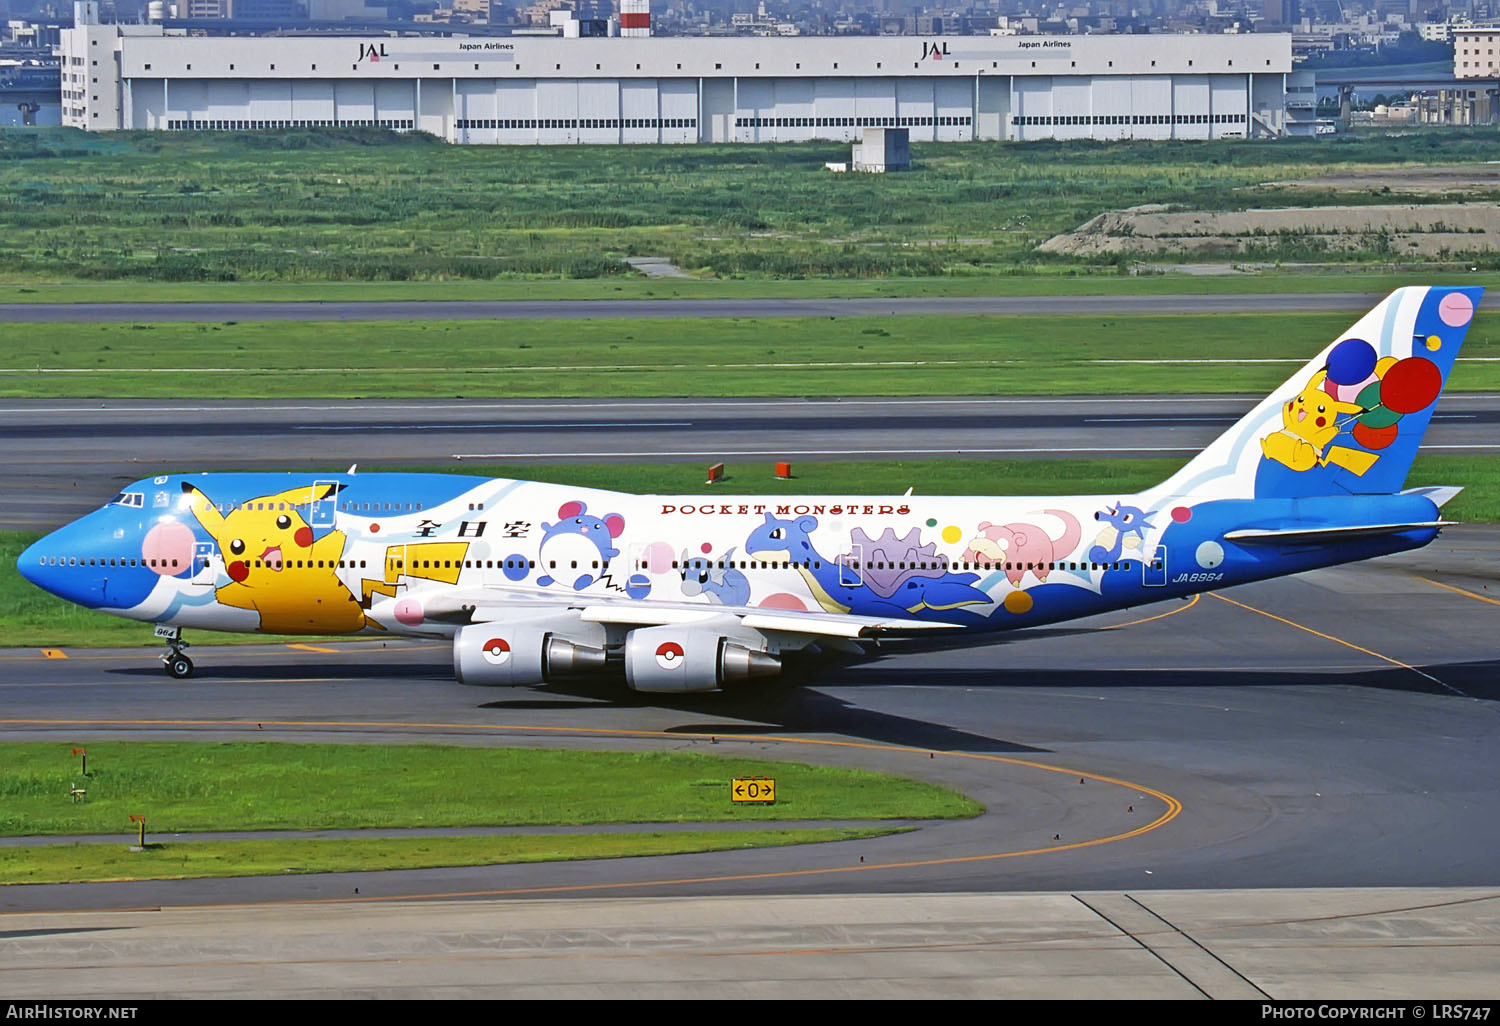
x,y
753,789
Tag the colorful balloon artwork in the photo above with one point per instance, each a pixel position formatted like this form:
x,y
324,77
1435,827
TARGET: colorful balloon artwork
x,y
1385,389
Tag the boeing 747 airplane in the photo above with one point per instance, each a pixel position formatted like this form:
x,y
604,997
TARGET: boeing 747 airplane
x,y
686,593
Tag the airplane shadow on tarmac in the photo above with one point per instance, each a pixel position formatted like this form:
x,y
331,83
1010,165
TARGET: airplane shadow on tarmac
x,y
782,705
798,706
215,667
794,703
773,707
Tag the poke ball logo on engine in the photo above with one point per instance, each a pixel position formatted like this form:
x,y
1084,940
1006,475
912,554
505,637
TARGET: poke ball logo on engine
x,y
496,651
669,655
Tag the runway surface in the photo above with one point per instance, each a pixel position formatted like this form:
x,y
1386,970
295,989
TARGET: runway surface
x,y
96,313
63,458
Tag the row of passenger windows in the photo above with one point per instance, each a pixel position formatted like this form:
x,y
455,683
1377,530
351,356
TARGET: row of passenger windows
x,y
530,564
523,123
105,561
752,564
172,564
327,564
870,122
214,125
1128,119
137,500
347,507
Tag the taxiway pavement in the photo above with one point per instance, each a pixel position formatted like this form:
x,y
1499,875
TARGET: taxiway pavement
x,y
1332,730
1287,945
63,458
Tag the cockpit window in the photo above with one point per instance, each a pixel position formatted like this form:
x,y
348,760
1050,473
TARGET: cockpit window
x,y
136,500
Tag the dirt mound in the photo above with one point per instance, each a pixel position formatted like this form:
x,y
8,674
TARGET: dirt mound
x,y
1453,178
1438,230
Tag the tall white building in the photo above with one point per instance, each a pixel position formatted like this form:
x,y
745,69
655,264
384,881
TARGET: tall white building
x,y
91,82
549,90
1474,52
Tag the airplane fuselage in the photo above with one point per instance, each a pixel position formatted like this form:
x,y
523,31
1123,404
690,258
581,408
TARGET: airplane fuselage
x,y
379,552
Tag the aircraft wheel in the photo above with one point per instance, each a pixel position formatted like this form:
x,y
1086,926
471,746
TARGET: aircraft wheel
x,y
179,667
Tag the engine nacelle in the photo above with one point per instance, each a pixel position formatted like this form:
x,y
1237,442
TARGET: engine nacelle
x,y
527,651
680,659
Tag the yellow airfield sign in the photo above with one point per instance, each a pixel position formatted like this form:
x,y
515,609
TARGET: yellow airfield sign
x,y
753,789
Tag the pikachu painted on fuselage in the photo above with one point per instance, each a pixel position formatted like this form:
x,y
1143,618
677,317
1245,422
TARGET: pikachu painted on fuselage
x,y
277,565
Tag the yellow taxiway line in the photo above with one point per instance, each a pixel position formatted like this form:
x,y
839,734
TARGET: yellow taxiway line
x,y
1173,807
1470,594
1341,641
1158,616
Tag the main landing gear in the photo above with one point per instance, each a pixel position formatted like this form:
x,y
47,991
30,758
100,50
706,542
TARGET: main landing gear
x,y
178,665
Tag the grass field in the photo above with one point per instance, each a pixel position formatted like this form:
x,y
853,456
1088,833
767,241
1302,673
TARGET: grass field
x,y
30,617
189,787
194,787
964,355
358,205
185,860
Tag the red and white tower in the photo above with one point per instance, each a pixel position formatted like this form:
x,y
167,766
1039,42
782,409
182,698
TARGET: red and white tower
x,y
635,17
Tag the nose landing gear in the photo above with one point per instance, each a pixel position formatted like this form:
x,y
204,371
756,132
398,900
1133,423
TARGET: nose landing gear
x,y
178,665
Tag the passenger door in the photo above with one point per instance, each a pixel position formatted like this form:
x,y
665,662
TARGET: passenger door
x,y
1154,571
851,566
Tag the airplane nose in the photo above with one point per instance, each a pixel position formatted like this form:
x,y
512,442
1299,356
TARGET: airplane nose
x,y
32,564
101,560
46,564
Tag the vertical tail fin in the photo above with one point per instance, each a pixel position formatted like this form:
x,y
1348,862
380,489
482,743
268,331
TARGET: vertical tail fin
x,y
1350,421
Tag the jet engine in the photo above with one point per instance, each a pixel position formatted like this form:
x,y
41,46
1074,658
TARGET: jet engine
x,y
680,659
527,651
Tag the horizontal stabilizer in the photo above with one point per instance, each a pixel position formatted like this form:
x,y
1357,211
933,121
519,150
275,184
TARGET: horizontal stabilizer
x,y
1440,495
1306,535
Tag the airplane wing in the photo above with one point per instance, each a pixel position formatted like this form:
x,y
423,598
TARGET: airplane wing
x,y
492,604
787,621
